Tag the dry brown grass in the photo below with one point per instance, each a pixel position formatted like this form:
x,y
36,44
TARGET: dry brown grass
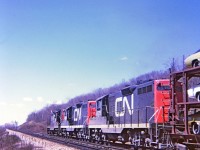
x,y
34,127
12,142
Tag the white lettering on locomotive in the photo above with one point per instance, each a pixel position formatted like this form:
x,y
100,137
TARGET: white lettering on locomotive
x,y
77,114
124,101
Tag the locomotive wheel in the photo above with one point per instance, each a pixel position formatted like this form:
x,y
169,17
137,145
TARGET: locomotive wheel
x,y
104,140
148,142
98,140
196,128
134,142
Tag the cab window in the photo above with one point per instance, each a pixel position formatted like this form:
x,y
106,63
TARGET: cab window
x,y
99,103
163,87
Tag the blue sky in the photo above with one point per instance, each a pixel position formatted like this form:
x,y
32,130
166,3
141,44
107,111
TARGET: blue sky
x,y
51,51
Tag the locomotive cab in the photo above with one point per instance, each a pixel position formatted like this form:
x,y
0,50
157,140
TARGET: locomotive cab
x,y
103,110
102,106
70,115
58,116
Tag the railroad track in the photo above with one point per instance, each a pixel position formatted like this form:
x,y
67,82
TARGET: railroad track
x,y
83,145
80,144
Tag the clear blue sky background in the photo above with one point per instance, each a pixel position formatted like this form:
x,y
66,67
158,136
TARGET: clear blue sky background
x,y
51,51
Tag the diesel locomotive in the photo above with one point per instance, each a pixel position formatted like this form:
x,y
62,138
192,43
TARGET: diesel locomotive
x,y
158,114
138,114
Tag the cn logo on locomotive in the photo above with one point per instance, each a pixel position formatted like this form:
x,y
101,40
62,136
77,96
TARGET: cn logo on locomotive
x,y
120,104
77,114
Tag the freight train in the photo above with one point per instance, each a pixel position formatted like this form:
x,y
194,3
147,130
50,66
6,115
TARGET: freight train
x,y
155,114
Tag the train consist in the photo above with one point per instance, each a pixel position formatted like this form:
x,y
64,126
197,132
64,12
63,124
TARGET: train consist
x,y
155,114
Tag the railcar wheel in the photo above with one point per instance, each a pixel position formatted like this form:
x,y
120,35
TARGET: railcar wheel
x,y
196,128
195,63
198,97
